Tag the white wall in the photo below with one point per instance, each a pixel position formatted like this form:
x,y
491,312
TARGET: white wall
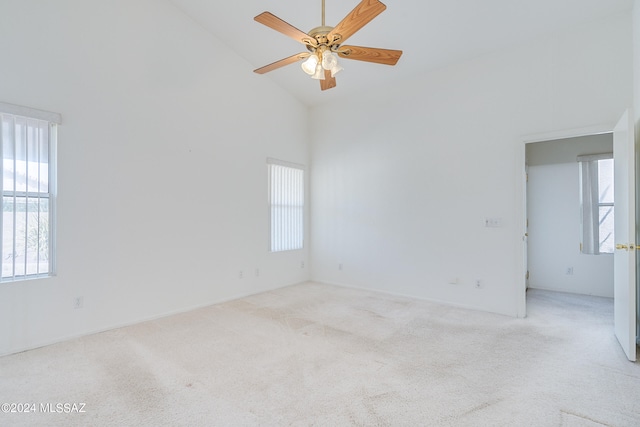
x,y
553,203
162,165
401,191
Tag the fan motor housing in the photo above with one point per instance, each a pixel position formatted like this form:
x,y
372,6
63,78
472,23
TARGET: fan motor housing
x,y
320,34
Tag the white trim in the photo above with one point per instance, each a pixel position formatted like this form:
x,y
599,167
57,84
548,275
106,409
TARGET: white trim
x,y
592,157
53,196
569,133
30,112
272,161
520,257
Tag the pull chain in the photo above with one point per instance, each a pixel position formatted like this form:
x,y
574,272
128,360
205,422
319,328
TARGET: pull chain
x,y
323,13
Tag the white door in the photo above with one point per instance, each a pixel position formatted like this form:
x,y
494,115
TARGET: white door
x,y
624,292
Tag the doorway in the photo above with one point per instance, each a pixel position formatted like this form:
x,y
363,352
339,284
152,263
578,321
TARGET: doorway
x,y
625,253
556,259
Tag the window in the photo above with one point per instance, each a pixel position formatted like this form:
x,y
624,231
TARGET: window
x,y
286,206
28,140
596,181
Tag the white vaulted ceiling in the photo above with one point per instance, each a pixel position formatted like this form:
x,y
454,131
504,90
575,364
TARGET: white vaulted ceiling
x,y
432,34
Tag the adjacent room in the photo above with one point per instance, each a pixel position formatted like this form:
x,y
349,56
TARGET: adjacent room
x,y
571,236
188,242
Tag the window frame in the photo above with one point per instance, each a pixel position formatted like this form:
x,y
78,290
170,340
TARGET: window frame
x,y
50,121
296,227
590,204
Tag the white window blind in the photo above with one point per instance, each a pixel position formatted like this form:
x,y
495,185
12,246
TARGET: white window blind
x,y
286,205
597,204
28,182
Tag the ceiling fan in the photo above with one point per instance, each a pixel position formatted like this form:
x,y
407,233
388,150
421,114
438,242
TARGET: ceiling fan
x,y
325,43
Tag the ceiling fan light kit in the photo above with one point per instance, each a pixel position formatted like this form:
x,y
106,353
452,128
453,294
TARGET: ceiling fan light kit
x,y
324,44
309,66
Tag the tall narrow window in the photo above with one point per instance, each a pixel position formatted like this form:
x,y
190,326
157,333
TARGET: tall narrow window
x,y
597,204
286,205
28,182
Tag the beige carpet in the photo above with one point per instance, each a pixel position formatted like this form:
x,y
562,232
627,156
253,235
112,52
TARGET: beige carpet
x,y
322,355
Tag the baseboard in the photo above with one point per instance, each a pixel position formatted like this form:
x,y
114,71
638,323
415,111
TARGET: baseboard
x,y
414,297
141,320
541,288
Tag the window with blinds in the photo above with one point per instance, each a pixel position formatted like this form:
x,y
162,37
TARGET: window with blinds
x,y
286,205
597,204
28,182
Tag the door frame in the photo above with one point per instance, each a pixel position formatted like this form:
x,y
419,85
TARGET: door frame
x,y
521,209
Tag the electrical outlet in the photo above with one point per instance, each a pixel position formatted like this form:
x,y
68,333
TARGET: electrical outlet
x,y
301,264
493,222
569,271
478,284
78,302
257,272
240,274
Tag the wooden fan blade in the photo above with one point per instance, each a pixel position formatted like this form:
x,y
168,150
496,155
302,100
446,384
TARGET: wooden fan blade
x,y
356,19
328,82
370,54
282,63
273,22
